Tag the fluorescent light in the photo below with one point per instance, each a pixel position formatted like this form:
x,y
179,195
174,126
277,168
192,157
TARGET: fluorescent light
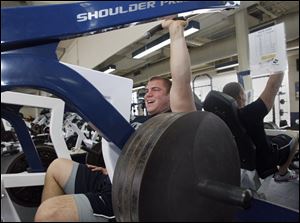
x,y
164,41
226,65
199,11
109,69
223,5
137,88
190,31
152,49
293,48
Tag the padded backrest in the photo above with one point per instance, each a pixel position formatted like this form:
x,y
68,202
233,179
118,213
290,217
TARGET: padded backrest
x,y
226,108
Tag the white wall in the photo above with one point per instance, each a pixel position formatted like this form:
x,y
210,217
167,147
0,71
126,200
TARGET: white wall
x,y
293,78
90,51
259,85
218,82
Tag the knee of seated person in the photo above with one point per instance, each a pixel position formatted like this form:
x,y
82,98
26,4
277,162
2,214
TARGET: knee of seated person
x,y
57,165
46,212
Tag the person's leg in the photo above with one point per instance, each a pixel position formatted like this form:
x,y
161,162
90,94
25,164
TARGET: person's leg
x,y
294,149
60,208
77,205
73,208
86,212
57,175
96,203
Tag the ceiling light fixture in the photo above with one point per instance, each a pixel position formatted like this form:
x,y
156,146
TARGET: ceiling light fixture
x,y
137,88
109,69
164,40
226,65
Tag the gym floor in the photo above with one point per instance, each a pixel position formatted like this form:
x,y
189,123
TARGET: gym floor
x,y
283,193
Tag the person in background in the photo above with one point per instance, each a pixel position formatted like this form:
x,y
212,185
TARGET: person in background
x,y
270,155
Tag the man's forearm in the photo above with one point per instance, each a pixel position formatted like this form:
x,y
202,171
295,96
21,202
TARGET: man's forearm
x,y
180,59
275,81
271,89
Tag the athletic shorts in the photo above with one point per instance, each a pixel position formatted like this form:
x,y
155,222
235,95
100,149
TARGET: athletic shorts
x,y
283,144
92,193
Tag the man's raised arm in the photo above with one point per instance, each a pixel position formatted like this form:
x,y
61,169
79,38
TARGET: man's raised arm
x,y
181,96
271,89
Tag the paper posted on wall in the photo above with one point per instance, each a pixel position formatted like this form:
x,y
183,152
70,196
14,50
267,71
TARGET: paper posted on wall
x,y
267,49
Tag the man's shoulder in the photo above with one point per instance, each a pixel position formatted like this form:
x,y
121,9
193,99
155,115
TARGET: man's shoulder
x,y
256,110
255,106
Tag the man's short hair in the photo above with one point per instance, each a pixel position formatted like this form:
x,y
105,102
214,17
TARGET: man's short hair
x,y
166,82
233,89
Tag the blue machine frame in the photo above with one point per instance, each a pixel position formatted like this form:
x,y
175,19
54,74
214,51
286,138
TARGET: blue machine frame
x,y
35,25
11,115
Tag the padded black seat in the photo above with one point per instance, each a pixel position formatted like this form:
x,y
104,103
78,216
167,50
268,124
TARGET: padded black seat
x,y
226,108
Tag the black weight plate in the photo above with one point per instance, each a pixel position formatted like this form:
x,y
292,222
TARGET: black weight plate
x,y
157,173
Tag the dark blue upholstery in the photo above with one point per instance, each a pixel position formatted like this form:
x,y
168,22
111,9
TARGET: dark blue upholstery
x,y
226,108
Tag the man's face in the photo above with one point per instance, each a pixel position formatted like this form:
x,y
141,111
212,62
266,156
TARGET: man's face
x,y
157,100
